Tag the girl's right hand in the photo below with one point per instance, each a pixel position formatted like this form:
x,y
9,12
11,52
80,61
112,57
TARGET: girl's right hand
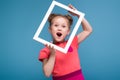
x,y
48,63
51,48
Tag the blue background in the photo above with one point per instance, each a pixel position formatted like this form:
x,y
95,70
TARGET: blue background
x,y
19,20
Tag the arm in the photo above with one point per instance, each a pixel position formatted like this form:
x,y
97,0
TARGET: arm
x,y
87,29
48,64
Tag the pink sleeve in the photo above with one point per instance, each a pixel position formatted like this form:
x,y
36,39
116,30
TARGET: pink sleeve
x,y
44,53
75,41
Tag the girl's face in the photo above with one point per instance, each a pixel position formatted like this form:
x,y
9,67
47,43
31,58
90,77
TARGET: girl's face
x,y
59,29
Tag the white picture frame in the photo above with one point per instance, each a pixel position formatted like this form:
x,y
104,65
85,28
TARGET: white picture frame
x,y
53,4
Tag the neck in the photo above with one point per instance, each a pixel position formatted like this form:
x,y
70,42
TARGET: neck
x,y
55,42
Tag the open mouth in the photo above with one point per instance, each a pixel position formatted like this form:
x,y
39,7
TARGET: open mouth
x,y
59,34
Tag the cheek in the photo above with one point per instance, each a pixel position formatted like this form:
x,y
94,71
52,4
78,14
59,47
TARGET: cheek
x,y
67,31
52,31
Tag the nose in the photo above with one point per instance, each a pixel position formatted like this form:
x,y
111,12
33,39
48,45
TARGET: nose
x,y
59,28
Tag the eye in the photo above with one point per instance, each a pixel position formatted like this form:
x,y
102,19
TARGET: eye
x,y
56,25
63,26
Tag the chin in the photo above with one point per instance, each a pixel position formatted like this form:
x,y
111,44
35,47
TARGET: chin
x,y
58,41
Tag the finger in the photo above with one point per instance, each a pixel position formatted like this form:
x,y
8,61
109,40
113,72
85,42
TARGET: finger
x,y
71,6
52,47
47,45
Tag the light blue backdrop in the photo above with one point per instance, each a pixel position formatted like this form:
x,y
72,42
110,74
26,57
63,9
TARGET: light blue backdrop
x,y
99,53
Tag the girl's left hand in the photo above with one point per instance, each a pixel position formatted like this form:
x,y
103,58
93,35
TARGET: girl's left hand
x,y
72,7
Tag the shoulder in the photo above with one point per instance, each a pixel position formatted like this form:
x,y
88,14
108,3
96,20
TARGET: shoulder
x,y
75,41
44,53
44,50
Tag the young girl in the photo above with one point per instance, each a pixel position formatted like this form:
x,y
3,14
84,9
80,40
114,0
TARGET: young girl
x,y
63,66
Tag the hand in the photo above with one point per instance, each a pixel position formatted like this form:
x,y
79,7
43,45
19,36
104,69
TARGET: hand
x,y
72,7
48,63
51,48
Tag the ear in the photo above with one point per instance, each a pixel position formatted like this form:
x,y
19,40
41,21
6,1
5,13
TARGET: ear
x,y
49,29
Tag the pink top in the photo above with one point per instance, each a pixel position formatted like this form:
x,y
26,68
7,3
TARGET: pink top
x,y
64,63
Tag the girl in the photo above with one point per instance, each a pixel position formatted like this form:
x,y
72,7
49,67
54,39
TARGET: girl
x,y
63,66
